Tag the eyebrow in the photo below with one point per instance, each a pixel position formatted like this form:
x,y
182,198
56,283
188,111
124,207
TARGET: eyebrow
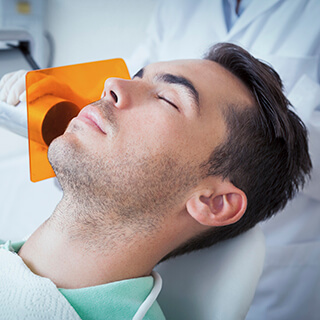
x,y
187,84
180,80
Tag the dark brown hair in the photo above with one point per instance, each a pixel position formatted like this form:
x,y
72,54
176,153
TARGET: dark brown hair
x,y
266,152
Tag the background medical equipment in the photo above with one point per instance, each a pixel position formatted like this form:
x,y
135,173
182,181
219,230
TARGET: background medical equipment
x,y
16,51
29,16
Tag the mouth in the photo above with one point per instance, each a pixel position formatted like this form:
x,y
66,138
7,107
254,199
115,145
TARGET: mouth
x,y
91,116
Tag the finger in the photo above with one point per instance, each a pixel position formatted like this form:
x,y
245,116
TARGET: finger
x,y
44,86
9,84
40,84
50,85
4,88
5,78
17,89
35,76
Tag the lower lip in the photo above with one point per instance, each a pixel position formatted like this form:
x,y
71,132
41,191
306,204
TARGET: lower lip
x,y
89,122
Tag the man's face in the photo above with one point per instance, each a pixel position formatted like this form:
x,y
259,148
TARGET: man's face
x,y
140,148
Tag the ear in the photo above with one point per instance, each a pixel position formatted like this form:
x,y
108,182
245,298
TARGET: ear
x,y
219,204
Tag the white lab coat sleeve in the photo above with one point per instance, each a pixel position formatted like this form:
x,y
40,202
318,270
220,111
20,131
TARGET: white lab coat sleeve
x,y
166,36
147,51
305,97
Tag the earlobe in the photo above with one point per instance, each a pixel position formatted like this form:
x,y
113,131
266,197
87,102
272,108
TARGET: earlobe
x,y
218,208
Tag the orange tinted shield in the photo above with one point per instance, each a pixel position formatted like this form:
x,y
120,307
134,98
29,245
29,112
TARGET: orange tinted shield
x,y
54,97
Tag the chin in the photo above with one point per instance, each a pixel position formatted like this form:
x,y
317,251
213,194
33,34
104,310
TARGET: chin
x,y
70,161
60,153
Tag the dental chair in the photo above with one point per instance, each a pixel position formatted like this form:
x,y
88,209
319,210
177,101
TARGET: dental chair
x,y
217,283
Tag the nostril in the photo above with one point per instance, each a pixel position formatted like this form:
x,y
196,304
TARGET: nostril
x,y
114,96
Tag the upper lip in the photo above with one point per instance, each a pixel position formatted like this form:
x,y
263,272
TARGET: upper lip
x,y
93,115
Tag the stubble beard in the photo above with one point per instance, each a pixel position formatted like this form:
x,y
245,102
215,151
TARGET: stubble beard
x,y
134,191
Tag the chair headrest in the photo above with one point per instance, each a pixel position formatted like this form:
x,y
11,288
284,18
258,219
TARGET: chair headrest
x,y
214,283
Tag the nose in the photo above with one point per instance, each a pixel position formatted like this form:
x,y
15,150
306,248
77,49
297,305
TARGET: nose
x,y
119,92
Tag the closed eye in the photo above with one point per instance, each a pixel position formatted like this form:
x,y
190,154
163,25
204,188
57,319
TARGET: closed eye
x,y
168,101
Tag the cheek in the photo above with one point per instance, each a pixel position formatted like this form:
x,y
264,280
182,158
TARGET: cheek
x,y
154,133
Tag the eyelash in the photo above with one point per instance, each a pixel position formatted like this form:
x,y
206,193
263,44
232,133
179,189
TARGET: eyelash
x,y
168,101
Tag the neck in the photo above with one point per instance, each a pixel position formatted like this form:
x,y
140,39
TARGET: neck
x,y
75,252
